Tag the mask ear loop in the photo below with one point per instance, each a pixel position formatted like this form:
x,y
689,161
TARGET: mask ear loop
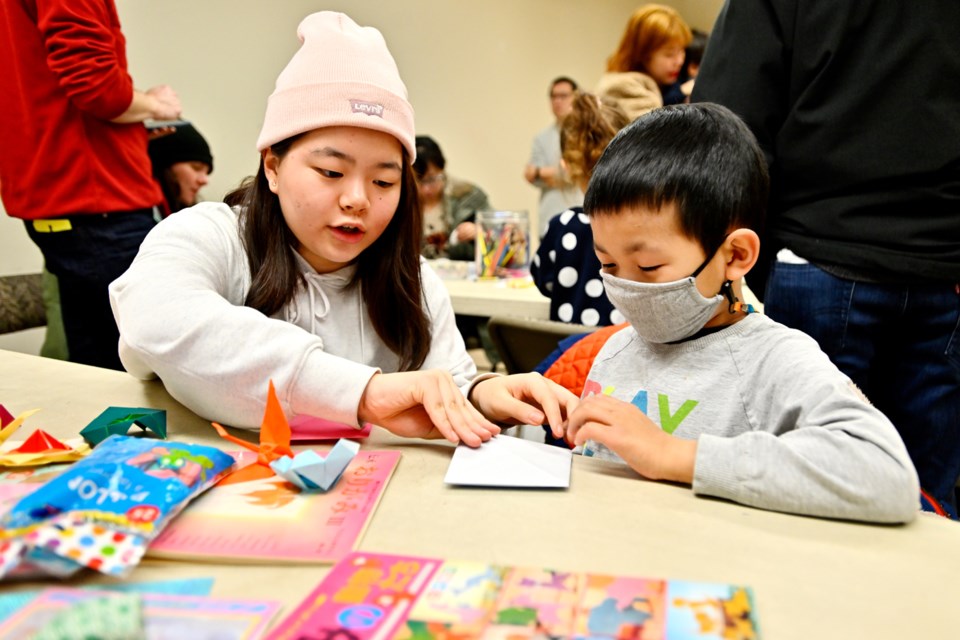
x,y
735,306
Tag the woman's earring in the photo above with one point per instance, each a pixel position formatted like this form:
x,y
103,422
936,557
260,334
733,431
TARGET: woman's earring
x,y
273,184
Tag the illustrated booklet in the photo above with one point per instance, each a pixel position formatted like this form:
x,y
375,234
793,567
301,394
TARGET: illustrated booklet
x,y
377,596
267,519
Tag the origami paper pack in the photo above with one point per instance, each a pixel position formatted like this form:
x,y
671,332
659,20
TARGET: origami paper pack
x,y
274,442
39,448
119,421
310,472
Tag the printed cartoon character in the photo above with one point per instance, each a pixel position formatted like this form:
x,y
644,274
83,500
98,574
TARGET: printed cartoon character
x,y
163,463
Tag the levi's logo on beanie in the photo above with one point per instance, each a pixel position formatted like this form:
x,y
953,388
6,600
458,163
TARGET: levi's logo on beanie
x,y
342,76
369,108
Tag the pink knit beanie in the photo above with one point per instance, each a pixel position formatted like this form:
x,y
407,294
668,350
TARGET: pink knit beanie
x,y
343,75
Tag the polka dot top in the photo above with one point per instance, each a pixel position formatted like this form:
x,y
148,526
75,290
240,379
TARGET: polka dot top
x,y
567,271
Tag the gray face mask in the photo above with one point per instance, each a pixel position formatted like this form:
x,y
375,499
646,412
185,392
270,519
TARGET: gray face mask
x,y
663,312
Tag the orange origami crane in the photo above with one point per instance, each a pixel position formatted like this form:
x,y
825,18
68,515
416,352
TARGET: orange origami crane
x,y
39,448
274,442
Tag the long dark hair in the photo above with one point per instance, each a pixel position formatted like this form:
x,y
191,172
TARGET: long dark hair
x,y
171,190
388,271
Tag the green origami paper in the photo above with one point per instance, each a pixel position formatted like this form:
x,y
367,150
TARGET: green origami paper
x,y
119,420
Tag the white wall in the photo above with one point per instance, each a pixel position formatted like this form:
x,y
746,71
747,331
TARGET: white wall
x,y
477,74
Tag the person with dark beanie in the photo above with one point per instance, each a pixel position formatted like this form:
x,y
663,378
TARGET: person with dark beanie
x,y
182,164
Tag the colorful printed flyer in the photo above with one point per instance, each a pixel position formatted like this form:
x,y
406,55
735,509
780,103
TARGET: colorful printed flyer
x,y
270,520
455,603
385,597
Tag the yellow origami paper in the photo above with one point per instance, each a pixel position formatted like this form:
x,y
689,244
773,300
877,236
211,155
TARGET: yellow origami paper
x,y
39,448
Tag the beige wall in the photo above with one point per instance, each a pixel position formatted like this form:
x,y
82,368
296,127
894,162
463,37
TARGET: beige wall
x,y
477,73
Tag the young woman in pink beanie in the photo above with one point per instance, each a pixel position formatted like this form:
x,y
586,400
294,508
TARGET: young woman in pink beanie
x,y
313,278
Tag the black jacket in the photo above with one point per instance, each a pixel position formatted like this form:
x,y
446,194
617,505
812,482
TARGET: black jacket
x,y
857,107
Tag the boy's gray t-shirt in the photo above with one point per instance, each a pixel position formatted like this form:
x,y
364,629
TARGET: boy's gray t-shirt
x,y
779,426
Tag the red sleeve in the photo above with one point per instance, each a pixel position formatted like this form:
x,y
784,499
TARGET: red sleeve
x,y
86,52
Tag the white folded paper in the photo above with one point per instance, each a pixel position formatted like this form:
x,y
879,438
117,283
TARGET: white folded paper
x,y
505,461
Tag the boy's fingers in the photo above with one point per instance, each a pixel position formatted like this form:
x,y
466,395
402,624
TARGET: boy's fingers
x,y
590,431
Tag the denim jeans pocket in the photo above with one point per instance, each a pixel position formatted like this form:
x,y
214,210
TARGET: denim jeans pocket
x,y
808,298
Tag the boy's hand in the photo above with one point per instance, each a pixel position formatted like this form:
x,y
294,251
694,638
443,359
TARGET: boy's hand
x,y
524,398
626,431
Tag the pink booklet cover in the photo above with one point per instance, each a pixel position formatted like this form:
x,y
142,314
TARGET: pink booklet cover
x,y
269,520
378,596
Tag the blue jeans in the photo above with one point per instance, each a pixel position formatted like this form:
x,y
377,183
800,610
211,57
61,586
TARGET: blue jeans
x,y
86,259
899,343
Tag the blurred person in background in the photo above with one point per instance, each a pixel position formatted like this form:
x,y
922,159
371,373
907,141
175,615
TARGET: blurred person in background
x,y
449,205
544,170
647,63
182,164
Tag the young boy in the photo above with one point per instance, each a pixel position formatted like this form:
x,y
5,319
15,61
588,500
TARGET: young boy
x,y
699,389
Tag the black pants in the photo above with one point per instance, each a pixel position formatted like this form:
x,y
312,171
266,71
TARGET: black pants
x,y
86,258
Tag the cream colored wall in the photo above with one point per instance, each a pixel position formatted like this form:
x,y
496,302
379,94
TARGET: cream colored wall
x,y
700,14
477,73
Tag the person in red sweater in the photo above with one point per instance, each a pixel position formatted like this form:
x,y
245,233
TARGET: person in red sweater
x,y
75,166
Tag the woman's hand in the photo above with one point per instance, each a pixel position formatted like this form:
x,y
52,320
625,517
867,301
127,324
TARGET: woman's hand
x,y
524,398
629,433
466,231
423,404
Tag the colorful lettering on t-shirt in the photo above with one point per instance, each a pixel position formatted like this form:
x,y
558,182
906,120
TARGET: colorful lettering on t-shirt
x,y
669,421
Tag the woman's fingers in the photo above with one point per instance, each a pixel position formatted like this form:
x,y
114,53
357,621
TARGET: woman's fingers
x,y
532,399
424,404
557,403
453,416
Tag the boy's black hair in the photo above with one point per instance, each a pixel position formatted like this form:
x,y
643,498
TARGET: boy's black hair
x,y
700,156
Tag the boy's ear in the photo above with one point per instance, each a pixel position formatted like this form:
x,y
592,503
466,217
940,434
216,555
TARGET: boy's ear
x,y
741,250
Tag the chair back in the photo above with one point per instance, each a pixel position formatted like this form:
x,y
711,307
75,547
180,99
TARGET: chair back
x,y
523,343
21,303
